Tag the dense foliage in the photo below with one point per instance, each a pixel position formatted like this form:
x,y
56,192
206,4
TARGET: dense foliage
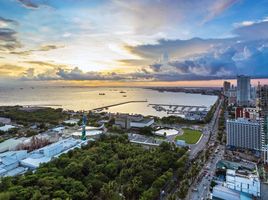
x,y
44,115
109,169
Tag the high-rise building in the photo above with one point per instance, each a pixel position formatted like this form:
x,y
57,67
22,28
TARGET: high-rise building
x,y
262,106
226,87
232,95
244,133
262,99
243,90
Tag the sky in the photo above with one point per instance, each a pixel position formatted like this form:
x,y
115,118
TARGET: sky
x,y
141,42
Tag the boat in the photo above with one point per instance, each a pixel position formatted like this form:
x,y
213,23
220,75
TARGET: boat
x,y
122,92
101,93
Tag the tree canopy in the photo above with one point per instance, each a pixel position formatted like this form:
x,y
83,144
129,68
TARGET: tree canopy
x,y
111,168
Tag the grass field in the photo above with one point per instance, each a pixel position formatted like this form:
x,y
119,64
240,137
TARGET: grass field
x,y
189,136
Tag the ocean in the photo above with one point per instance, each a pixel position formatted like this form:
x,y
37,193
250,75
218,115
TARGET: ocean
x,y
87,98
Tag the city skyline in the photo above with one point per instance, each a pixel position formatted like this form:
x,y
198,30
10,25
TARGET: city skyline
x,y
111,42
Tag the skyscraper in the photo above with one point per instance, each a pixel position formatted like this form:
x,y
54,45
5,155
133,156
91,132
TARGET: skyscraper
x,y
226,87
243,90
262,99
262,106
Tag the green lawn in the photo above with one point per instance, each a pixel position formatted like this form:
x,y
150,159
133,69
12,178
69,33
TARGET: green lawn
x,y
189,136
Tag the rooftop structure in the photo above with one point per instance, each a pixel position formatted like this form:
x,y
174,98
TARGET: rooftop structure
x,y
47,153
72,121
9,163
127,121
5,120
221,192
6,128
243,181
10,144
166,132
143,140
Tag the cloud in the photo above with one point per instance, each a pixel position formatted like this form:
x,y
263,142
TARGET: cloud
x,y
4,22
20,53
176,49
41,63
28,4
8,39
49,47
7,35
218,7
42,48
10,70
253,31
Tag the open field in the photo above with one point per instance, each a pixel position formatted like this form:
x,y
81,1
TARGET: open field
x,y
190,136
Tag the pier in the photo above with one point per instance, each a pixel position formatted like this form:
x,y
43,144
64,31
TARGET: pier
x,y
118,104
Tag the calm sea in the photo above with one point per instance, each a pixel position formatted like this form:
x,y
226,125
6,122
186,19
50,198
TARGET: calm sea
x,y
85,98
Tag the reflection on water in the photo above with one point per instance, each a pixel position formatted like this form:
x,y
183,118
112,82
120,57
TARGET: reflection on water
x,y
76,98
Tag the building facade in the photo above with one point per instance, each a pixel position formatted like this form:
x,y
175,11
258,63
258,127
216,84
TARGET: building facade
x,y
262,106
243,181
244,133
243,90
226,87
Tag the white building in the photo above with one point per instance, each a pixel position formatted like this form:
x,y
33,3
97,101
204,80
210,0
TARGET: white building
x,y
224,193
243,181
71,121
244,133
9,163
145,122
243,90
6,128
47,153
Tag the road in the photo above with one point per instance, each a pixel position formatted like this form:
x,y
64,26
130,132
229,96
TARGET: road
x,y
209,129
200,189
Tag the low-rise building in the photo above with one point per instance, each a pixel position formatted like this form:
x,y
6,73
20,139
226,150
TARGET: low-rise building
x,y
224,193
132,121
72,121
10,161
243,181
47,153
4,120
6,128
